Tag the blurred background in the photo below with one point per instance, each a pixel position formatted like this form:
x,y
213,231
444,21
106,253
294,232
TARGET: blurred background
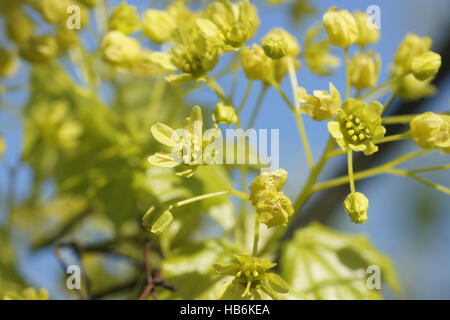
x,y
407,221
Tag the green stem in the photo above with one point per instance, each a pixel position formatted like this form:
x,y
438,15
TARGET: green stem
x,y
256,238
300,125
218,90
235,74
368,172
347,71
257,106
443,167
230,189
388,104
394,137
350,171
198,198
420,179
245,98
389,82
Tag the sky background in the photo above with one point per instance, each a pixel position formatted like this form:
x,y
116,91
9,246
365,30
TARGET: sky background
x,y
418,245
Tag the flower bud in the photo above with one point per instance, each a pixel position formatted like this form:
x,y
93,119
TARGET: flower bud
x,y
272,206
425,65
124,18
119,49
256,65
19,27
411,46
368,32
356,205
364,70
430,130
224,114
279,36
39,49
275,48
158,25
8,65
341,27
322,105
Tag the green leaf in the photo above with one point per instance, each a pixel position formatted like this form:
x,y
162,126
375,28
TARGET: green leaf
x,y
190,269
319,263
277,283
164,134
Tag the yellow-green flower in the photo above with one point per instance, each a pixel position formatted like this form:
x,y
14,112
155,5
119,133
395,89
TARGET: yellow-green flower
x,y
124,18
251,279
19,26
224,114
364,69
368,31
256,64
317,52
158,25
119,49
356,205
56,125
39,49
275,48
229,25
411,47
341,27
279,34
193,56
425,65
272,207
196,147
27,294
8,65
321,105
430,130
356,125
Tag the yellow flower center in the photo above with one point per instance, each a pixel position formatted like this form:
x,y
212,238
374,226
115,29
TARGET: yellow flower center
x,y
355,130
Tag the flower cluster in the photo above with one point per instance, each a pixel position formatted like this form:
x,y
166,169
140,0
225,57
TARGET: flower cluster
x,y
188,152
416,66
272,207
